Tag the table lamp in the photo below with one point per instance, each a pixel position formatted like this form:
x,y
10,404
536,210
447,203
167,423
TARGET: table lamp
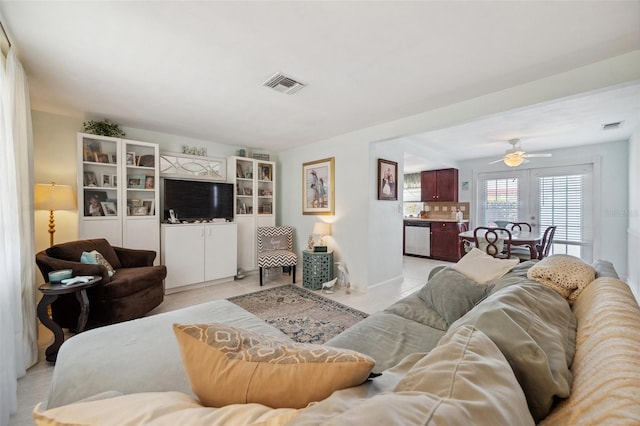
x,y
322,229
53,197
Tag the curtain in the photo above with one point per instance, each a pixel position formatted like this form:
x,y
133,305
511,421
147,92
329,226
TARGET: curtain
x,y
18,330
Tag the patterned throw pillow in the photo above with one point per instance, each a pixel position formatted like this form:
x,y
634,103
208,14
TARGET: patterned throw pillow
x,y
275,242
227,365
568,275
95,258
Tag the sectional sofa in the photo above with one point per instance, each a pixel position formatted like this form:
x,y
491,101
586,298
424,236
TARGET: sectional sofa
x,y
510,351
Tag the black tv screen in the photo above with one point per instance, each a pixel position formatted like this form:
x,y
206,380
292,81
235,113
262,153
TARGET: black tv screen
x,y
197,200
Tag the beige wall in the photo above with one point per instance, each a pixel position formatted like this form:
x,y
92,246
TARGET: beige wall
x,y
54,159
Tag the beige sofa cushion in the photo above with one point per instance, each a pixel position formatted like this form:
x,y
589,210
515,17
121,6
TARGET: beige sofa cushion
x,y
534,328
606,366
227,365
158,409
465,380
482,268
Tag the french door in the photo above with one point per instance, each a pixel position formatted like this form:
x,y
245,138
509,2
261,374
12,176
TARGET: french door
x,y
560,196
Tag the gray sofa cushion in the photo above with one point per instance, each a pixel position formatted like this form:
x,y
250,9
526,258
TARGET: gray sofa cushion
x,y
414,308
534,328
451,294
387,338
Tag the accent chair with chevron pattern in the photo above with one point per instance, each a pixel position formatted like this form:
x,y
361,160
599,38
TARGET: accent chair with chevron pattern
x,y
275,245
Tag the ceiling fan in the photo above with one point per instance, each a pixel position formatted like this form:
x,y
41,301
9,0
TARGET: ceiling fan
x,y
516,156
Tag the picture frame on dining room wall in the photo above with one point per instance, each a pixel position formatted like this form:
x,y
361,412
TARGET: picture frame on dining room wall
x,y
318,187
387,180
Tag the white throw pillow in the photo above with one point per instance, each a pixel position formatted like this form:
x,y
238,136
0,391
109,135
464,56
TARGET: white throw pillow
x,y
483,268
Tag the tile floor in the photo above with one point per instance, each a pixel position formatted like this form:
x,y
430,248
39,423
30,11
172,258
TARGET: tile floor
x,y
34,386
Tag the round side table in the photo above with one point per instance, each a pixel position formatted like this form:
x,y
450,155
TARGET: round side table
x,y
317,268
50,293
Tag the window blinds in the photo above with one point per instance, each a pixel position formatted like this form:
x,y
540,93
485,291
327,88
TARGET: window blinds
x,y
501,200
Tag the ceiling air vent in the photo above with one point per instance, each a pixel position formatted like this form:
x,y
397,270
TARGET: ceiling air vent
x,y
283,84
611,126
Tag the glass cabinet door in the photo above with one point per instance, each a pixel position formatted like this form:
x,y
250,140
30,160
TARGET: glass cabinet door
x,y
141,178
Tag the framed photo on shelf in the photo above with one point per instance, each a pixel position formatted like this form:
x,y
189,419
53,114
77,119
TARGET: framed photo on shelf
x,y
136,182
265,173
105,180
101,157
109,208
387,180
149,182
318,187
149,204
90,179
131,158
113,158
139,211
114,180
146,160
90,149
93,202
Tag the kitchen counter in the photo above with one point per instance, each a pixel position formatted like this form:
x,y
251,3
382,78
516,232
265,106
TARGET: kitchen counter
x,y
416,219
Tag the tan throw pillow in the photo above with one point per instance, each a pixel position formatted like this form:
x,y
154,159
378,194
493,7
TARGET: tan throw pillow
x,y
568,275
228,365
483,268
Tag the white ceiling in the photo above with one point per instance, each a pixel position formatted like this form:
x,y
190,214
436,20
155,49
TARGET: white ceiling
x,y
196,68
568,122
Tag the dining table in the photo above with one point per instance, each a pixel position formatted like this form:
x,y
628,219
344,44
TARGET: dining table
x,y
518,238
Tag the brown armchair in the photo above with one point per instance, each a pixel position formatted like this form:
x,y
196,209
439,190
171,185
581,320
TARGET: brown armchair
x,y
134,290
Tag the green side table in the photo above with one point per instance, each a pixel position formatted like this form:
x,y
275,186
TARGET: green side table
x,y
317,269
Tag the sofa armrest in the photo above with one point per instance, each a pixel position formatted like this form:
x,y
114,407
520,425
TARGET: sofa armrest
x,y
48,264
130,258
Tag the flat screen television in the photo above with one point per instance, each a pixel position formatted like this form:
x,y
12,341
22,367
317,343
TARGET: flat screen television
x,y
197,200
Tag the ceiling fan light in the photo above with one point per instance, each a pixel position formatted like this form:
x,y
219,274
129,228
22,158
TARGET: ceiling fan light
x,y
513,160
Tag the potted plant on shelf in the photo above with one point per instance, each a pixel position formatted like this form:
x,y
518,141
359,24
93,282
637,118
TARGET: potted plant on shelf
x,y
103,128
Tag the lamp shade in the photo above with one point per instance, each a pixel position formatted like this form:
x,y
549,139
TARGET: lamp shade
x,y
49,196
322,228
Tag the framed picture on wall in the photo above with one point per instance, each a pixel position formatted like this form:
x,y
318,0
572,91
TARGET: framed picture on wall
x,y
318,187
387,180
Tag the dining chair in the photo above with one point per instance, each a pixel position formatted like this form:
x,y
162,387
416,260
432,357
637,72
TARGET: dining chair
x,y
519,226
521,252
496,242
547,241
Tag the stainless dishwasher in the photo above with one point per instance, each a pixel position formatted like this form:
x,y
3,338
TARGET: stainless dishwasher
x,y
417,238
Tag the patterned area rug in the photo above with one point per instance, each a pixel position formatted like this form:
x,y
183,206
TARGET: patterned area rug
x,y
302,315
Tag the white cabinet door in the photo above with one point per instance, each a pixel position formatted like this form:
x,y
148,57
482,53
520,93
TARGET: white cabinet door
x,y
142,233
109,228
183,254
247,248
221,250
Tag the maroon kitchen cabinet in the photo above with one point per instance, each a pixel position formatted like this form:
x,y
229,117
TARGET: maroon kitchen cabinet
x,y
439,185
445,244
